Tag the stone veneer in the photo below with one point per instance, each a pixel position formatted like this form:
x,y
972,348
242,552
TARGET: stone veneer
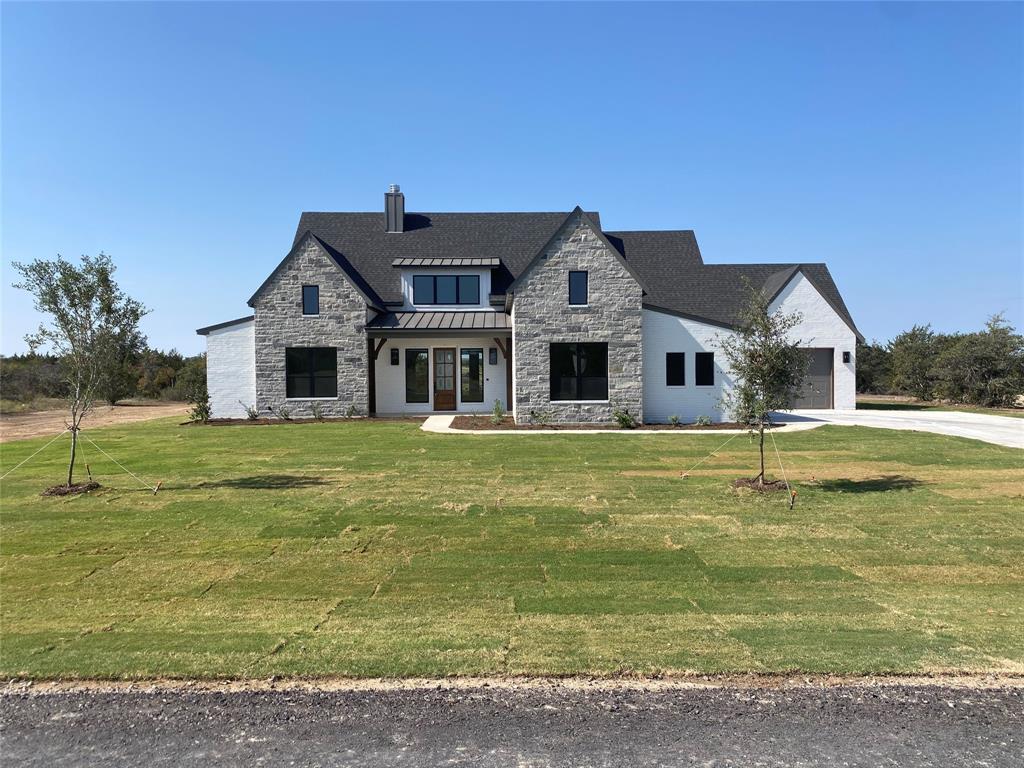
x,y
281,324
541,314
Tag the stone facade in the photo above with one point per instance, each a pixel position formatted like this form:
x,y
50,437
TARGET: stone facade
x,y
542,315
280,324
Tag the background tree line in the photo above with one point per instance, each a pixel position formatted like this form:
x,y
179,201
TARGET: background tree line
x,y
139,372
983,368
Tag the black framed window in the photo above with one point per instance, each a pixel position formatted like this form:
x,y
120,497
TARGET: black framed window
x,y
446,289
417,376
578,288
704,369
423,289
675,369
311,299
311,372
471,375
469,289
579,371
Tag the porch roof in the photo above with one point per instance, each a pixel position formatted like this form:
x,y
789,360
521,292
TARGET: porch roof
x,y
420,322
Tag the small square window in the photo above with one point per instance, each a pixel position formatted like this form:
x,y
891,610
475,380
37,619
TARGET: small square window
x,y
311,299
394,356
578,288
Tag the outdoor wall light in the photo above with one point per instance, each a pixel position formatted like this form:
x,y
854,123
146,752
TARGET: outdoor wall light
x,y
846,357
492,355
394,356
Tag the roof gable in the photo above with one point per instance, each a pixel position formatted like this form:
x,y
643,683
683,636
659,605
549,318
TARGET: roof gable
x,y
339,261
586,220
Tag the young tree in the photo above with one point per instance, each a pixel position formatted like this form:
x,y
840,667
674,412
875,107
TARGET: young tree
x,y
768,367
90,322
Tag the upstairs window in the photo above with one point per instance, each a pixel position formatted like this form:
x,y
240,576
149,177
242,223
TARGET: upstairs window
x,y
675,369
446,289
311,299
578,288
704,369
311,372
579,372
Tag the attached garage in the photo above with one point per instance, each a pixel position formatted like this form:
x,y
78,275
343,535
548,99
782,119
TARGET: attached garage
x,y
817,390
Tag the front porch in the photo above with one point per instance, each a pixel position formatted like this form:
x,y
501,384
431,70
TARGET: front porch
x,y
418,367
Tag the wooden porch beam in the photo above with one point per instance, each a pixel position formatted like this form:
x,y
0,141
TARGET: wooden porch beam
x,y
378,347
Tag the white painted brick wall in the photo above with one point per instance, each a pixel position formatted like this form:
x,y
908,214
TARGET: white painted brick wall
x,y
231,369
821,326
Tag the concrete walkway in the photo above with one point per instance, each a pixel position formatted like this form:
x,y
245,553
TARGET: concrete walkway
x,y
443,425
1000,430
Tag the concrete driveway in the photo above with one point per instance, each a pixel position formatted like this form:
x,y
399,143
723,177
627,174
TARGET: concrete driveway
x,y
1000,430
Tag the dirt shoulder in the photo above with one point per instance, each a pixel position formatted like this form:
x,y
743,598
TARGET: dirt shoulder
x,y
950,680
22,426
906,726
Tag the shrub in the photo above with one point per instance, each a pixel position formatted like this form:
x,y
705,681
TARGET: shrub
x,y
624,418
282,412
250,411
497,413
674,420
540,417
351,412
200,410
317,410
703,421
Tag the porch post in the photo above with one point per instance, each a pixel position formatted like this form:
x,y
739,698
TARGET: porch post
x,y
372,376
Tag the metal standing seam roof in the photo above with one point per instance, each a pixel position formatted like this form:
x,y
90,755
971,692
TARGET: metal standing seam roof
x,y
441,321
447,262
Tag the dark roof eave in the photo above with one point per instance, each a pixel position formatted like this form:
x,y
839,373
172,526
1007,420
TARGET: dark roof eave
x,y
228,324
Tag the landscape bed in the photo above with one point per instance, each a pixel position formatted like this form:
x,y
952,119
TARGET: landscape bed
x,y
370,548
507,422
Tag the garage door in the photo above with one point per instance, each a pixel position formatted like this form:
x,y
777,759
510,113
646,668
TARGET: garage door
x,y
817,391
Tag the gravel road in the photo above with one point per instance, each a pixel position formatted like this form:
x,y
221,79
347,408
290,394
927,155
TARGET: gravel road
x,y
546,726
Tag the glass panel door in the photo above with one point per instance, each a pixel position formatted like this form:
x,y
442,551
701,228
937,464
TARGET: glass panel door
x,y
444,379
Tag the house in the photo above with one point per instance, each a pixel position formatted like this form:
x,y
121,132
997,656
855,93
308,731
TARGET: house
x,y
396,312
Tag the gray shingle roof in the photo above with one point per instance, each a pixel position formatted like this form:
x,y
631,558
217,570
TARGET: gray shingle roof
x,y
668,263
449,321
512,238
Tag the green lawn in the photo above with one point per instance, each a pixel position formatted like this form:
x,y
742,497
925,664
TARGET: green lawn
x,y
373,548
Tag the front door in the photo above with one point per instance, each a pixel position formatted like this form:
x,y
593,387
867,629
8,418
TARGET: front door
x,y
444,379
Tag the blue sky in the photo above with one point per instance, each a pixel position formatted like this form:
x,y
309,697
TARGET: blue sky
x,y
185,139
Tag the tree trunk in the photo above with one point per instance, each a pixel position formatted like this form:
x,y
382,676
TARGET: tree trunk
x,y
74,446
760,477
